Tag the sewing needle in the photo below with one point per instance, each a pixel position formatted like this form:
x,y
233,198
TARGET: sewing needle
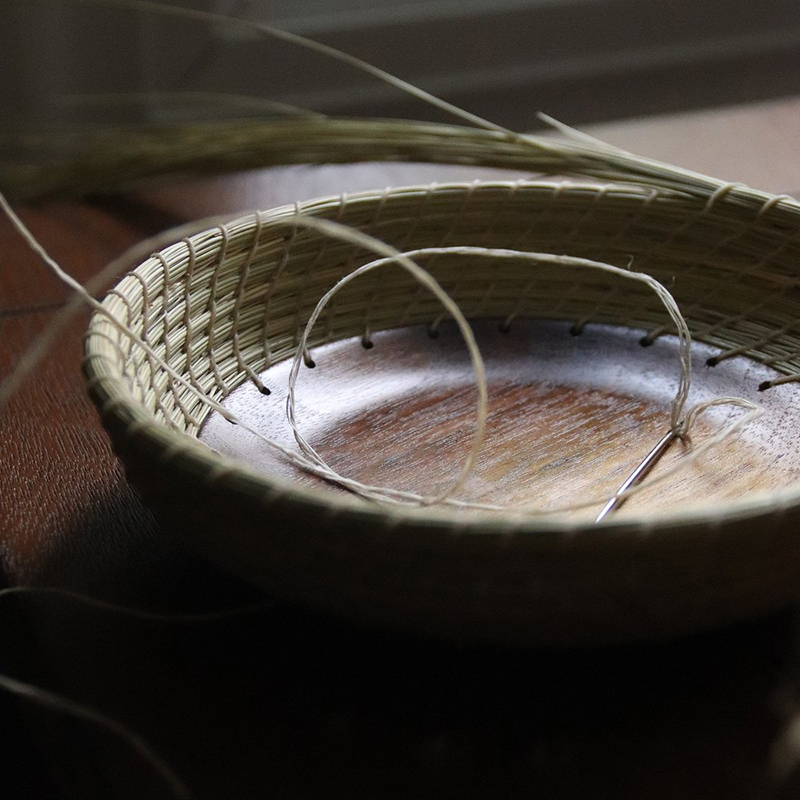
x,y
640,472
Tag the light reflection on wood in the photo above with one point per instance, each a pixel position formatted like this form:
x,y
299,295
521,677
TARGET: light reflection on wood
x,y
570,417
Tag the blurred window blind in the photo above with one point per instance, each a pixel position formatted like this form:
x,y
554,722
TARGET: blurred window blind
x,y
578,60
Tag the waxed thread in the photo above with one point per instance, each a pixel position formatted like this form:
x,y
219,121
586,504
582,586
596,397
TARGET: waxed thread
x,y
311,461
680,424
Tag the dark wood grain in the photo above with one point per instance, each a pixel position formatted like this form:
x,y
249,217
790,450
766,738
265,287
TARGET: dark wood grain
x,y
284,703
569,417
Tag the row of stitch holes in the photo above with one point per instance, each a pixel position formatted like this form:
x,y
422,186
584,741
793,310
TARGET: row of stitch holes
x,y
646,341
505,328
366,343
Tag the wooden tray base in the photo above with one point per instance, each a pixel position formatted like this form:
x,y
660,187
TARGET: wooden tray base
x,y
570,417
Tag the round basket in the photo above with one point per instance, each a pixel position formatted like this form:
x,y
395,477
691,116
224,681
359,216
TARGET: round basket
x,y
224,305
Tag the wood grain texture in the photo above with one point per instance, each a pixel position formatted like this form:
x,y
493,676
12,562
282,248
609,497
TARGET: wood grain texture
x,y
570,417
295,705
68,516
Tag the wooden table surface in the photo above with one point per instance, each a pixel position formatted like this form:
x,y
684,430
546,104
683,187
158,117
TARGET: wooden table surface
x,y
284,703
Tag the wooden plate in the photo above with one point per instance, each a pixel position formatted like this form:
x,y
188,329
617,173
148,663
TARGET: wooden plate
x,y
570,417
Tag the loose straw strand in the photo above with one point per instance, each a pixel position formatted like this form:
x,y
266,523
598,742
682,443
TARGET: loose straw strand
x,y
71,708
307,44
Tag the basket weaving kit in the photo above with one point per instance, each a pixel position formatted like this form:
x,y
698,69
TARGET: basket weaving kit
x,y
398,522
